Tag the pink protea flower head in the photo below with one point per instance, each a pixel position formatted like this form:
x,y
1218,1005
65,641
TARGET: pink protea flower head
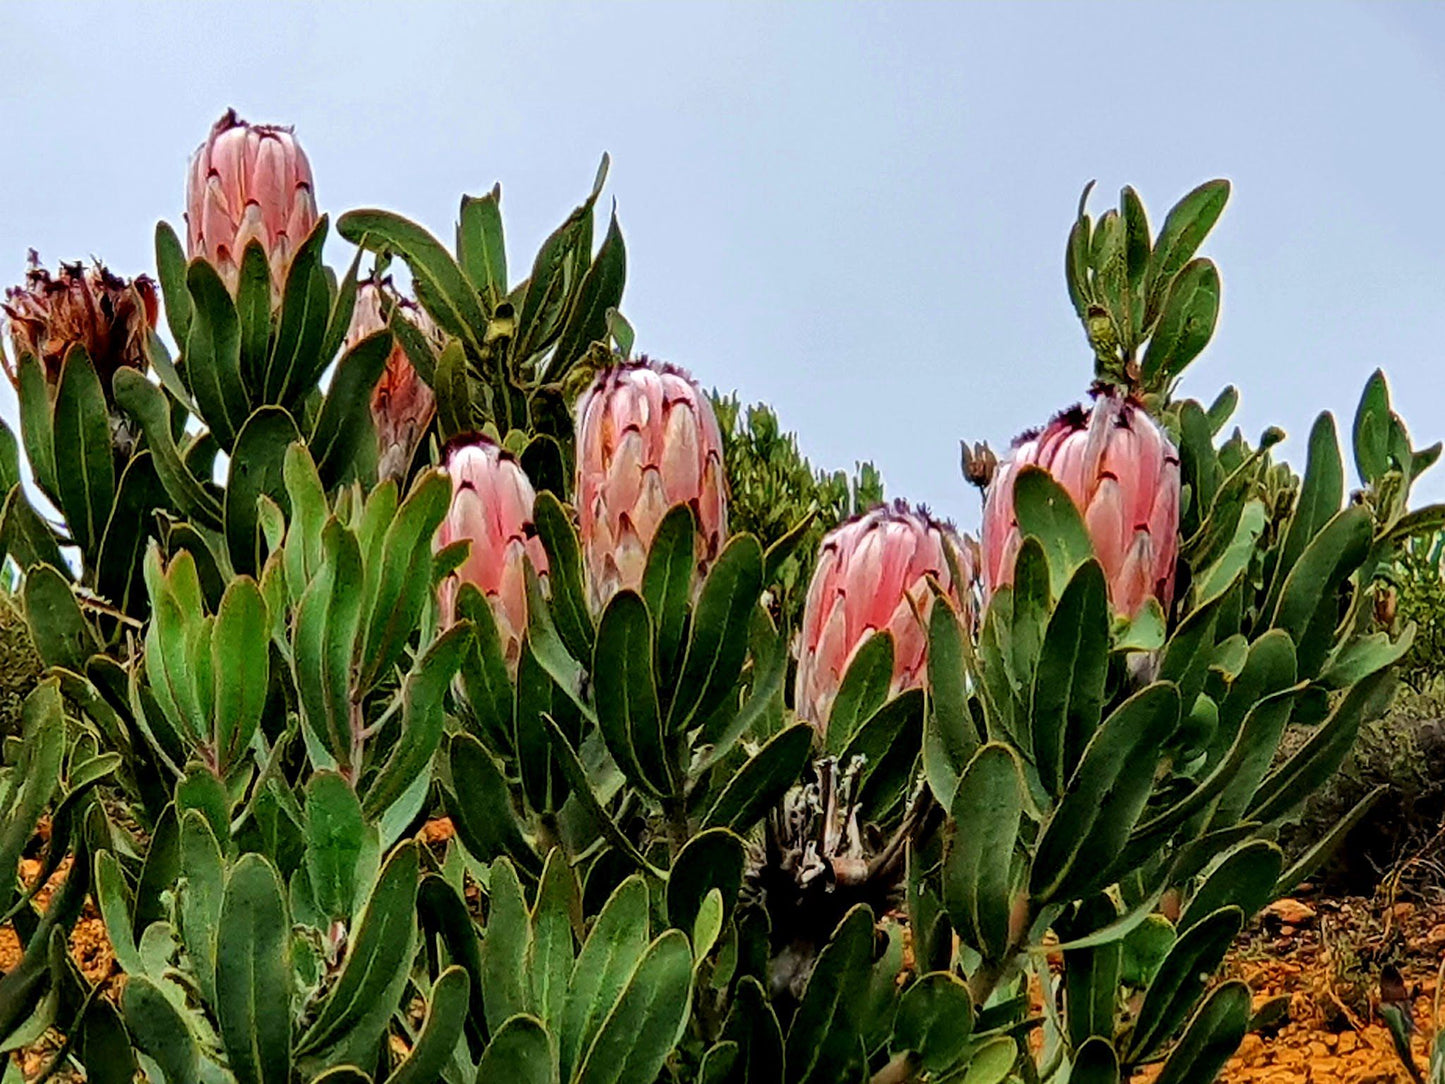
x,y
491,508
1123,475
111,317
647,439
872,574
248,182
402,403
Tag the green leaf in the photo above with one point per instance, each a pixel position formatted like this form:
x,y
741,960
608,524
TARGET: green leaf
x,y
1186,323
628,714
862,691
1313,859
359,1006
24,535
1319,499
979,845
1091,972
160,1030
199,897
935,1020
520,1053
59,630
1371,429
576,776
456,411
1081,842
765,696
1184,230
323,641
112,898
950,719
118,566
823,1040
504,948
335,835
718,641
146,403
240,657
551,951
484,672
1212,1037
710,859
36,775
1046,511
253,974
296,361
1308,608
404,582
213,354
257,469
667,586
423,719
84,462
1245,878
1181,980
648,1019
338,323
611,952
568,602
888,742
1068,688
36,420
451,299
1076,260
1303,773
481,806
441,1030
601,290
762,781
345,418
481,245
171,269
253,312
1136,236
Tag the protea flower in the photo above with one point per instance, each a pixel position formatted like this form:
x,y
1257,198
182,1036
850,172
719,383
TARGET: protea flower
x,y
647,439
402,404
249,182
1123,475
491,508
872,575
110,317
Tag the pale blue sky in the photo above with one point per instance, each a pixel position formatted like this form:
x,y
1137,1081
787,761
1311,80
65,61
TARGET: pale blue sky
x,y
856,212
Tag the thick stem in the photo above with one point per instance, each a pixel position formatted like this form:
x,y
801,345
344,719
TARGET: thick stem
x,y
674,812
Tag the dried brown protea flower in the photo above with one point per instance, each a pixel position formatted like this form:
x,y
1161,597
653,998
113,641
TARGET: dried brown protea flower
x,y
109,316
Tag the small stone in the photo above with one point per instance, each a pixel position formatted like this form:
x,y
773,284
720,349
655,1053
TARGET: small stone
x,y
1290,911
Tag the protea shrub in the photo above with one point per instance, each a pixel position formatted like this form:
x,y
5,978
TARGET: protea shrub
x,y
647,439
249,182
491,507
402,404
873,576
1122,473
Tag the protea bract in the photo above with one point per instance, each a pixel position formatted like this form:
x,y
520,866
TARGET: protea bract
x,y
249,182
402,404
872,575
647,439
1123,475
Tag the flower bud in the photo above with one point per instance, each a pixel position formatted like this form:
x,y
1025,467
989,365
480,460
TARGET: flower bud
x,y
872,574
402,404
110,317
1123,475
492,509
647,439
249,182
